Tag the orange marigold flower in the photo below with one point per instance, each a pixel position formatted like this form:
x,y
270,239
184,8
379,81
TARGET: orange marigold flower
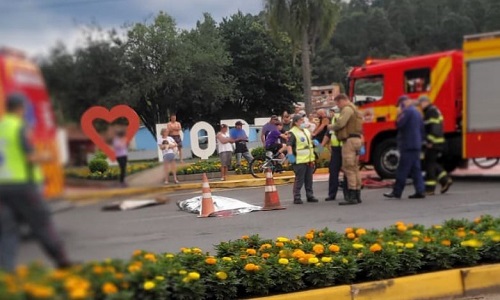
x,y
427,239
309,236
415,239
472,232
446,243
251,251
280,244
461,233
477,220
360,231
137,252
334,248
245,237
249,267
375,248
298,253
109,288
319,249
351,236
399,223
265,255
211,260
402,228
349,230
150,256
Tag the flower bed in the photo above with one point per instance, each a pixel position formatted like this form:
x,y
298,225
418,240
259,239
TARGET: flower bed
x,y
252,266
111,174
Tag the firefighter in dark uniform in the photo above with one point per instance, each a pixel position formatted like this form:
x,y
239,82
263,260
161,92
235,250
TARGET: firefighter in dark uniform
x,y
434,146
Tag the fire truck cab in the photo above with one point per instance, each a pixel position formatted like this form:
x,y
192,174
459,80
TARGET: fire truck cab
x,y
376,86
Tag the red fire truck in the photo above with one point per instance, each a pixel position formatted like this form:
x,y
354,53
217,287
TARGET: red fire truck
x,y
18,74
464,84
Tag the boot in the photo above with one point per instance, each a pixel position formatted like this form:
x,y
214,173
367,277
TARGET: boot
x,y
351,198
358,196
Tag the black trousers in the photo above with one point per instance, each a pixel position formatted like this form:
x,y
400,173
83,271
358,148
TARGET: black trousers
x,y
433,170
25,203
122,162
303,176
334,171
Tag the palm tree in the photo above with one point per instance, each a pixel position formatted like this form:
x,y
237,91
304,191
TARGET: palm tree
x,y
308,23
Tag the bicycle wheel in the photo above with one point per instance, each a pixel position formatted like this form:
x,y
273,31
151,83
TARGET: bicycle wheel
x,y
486,162
258,167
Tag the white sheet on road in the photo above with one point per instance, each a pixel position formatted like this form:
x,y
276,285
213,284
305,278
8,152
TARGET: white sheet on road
x,y
223,206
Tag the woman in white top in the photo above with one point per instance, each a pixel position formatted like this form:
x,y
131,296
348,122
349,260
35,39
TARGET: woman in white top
x,y
169,148
225,150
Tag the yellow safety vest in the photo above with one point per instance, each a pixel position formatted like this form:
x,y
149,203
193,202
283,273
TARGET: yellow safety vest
x,y
14,165
304,148
334,141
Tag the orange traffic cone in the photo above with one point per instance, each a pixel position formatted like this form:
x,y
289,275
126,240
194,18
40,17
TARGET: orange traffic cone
x,y
207,203
272,198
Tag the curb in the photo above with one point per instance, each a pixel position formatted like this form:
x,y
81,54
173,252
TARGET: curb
x,y
124,192
448,284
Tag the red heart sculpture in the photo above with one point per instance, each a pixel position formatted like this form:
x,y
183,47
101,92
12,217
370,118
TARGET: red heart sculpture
x,y
99,112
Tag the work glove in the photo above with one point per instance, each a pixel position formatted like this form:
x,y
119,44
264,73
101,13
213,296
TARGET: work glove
x,y
291,158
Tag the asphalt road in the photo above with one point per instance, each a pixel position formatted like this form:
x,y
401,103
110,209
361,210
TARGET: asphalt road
x,y
92,234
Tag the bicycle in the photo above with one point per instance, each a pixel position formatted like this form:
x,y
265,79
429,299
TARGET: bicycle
x,y
259,165
486,162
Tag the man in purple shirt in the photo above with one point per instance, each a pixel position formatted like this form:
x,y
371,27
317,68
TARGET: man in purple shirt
x,y
268,127
276,141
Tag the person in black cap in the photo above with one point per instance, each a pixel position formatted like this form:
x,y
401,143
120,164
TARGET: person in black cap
x,y
410,140
240,140
434,146
20,192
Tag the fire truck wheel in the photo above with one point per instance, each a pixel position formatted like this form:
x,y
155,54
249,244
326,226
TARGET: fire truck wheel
x,y
386,158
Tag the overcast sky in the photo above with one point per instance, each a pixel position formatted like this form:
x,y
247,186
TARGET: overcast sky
x,y
34,26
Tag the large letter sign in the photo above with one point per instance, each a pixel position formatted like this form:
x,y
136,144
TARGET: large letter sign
x,y
195,145
99,112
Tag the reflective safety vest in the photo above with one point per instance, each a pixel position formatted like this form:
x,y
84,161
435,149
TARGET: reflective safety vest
x,y
433,121
14,165
304,148
334,141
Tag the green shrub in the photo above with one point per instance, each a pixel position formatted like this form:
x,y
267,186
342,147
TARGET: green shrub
x,y
98,165
100,155
258,152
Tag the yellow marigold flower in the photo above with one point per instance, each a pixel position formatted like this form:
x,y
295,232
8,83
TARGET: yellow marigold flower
x,y
334,248
375,248
437,226
399,244
109,288
402,228
159,278
186,250
490,233
137,252
415,233
349,230
283,261
257,268
399,223
360,231
446,243
78,294
409,245
471,243
221,275
496,238
249,267
351,236
309,236
169,255
313,260
318,249
284,253
197,250
251,251
210,260
298,253
326,259
357,246
183,272
98,270
345,260
225,258
150,256
149,285
282,239
245,237
22,271
265,255
193,275
390,243
59,274
280,244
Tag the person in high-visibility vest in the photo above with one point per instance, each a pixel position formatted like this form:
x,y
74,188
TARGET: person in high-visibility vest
x,y
335,158
20,189
300,153
434,146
